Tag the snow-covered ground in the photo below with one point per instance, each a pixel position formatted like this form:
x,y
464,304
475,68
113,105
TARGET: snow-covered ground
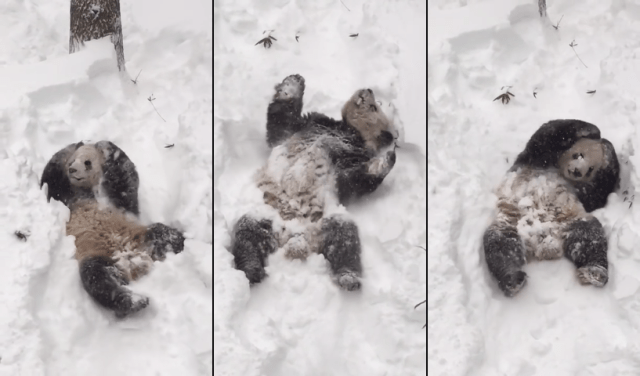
x,y
49,99
554,326
297,322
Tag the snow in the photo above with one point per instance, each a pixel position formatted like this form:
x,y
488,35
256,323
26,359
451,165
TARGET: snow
x,y
554,326
297,321
49,99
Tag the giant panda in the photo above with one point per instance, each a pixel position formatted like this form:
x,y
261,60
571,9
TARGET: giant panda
x,y
316,163
99,184
565,172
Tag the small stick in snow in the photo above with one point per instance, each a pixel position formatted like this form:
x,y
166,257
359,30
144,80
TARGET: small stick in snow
x,y
573,44
169,146
354,35
345,6
135,82
21,235
556,26
591,92
534,94
297,36
151,99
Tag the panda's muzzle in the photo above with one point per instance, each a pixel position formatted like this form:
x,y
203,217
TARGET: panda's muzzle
x,y
576,173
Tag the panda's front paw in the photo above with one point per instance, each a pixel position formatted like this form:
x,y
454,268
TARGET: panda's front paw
x,y
162,239
291,87
593,275
513,283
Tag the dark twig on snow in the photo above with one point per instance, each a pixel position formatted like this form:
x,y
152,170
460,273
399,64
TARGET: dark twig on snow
x,y
573,44
345,6
354,35
21,235
505,97
151,99
266,42
556,26
135,82
297,36
169,146
591,92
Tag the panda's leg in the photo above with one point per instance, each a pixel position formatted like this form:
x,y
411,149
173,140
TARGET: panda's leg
x,y
340,245
505,255
254,241
284,112
585,245
163,238
103,281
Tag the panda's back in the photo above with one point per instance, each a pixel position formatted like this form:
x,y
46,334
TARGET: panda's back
x,y
540,203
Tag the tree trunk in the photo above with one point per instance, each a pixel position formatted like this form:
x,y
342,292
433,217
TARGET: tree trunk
x,y
94,19
542,8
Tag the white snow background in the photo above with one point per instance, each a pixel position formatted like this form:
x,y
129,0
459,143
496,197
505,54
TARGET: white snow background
x,y
49,99
297,322
554,326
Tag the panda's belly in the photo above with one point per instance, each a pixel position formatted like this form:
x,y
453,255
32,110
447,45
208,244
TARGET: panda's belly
x,y
105,231
297,179
540,203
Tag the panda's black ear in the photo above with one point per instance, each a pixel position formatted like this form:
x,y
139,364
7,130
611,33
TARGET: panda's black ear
x,y
120,179
54,175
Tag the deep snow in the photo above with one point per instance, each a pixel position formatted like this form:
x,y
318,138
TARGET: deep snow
x,y
297,322
554,326
49,99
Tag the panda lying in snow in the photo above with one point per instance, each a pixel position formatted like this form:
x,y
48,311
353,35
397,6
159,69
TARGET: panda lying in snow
x,y
565,172
99,184
315,163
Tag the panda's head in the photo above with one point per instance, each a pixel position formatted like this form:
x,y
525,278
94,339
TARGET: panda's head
x,y
584,160
363,113
84,167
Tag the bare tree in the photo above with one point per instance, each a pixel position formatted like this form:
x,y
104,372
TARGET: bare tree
x,y
94,19
542,8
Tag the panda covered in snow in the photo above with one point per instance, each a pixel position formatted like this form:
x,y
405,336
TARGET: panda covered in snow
x,y
316,162
565,172
99,184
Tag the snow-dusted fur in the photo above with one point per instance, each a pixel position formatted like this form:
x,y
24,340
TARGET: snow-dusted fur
x,y
99,184
565,172
316,162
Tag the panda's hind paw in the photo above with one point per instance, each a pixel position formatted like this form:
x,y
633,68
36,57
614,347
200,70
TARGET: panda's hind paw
x,y
596,275
513,283
348,281
130,303
292,87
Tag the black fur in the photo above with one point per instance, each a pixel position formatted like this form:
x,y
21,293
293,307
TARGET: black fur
x,y
254,241
349,160
100,277
54,175
120,181
162,239
341,247
553,138
103,281
505,256
349,157
586,243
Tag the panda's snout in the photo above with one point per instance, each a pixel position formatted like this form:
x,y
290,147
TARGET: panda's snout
x,y
576,173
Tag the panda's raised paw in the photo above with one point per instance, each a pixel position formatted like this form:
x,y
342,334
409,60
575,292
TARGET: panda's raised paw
x,y
163,238
292,87
513,283
593,275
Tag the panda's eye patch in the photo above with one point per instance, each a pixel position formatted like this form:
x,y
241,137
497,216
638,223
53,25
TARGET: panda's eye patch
x,y
373,108
589,172
87,165
577,155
